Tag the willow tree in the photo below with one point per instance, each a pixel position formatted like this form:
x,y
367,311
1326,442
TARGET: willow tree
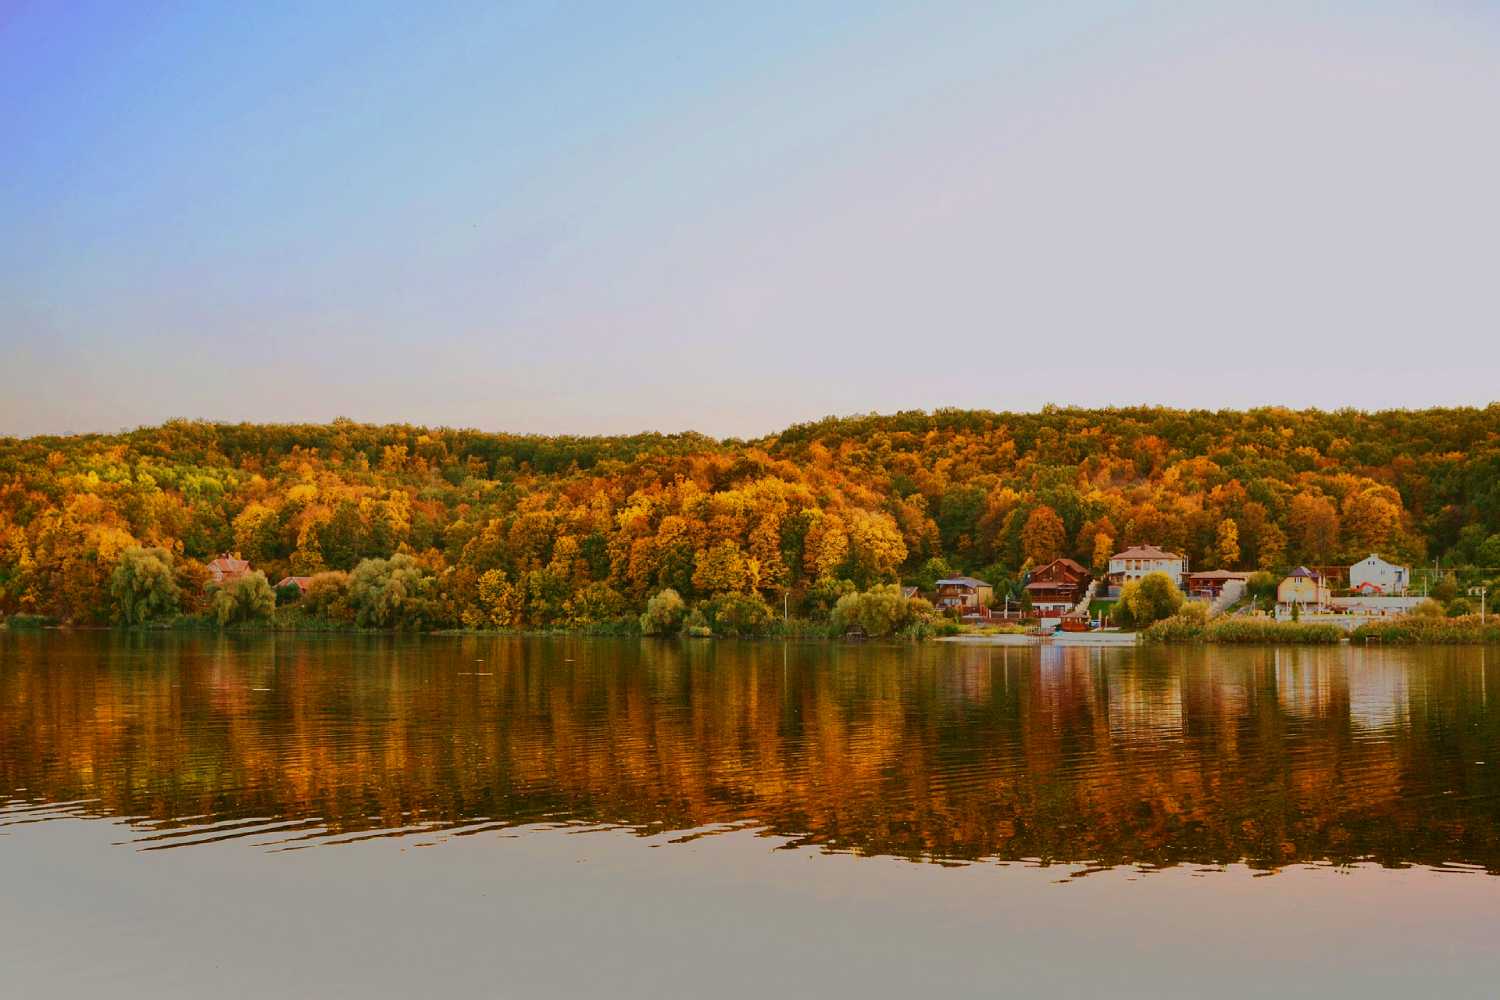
x,y
144,586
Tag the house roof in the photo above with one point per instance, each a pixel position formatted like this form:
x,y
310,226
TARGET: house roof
x,y
1302,572
1064,561
963,581
230,564
1219,574
908,592
300,581
1145,552
1050,585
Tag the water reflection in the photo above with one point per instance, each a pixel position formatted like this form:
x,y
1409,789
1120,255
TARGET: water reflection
x,y
1101,757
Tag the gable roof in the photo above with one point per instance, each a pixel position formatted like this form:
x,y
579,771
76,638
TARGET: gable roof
x,y
230,564
1145,552
1065,562
1302,572
1040,585
1219,574
963,581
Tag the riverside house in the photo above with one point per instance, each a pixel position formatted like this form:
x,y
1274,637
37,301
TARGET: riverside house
x,y
227,569
1302,587
1058,586
1139,560
964,593
1373,575
1209,584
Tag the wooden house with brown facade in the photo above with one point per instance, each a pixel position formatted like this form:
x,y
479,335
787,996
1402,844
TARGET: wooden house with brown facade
x,y
1058,586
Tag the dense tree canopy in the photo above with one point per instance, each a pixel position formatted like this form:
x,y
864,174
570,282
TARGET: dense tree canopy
x,y
503,530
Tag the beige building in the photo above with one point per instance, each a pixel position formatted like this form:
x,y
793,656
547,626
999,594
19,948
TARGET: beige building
x,y
1303,587
964,592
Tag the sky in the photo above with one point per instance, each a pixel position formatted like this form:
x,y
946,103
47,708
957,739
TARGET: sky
x,y
609,218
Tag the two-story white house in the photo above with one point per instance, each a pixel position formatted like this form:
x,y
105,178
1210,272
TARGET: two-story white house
x,y
1138,560
1373,575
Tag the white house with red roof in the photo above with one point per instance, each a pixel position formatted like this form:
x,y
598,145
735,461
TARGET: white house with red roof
x,y
1373,575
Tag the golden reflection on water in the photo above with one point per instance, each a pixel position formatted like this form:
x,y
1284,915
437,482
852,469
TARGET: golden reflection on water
x,y
1085,756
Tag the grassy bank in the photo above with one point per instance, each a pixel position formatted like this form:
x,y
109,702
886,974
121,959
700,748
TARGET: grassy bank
x,y
293,620
1183,629
1423,631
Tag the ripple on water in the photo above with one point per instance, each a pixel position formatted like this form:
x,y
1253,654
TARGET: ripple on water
x,y
1091,758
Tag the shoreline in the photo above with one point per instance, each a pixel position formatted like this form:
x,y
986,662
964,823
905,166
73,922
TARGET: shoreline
x,y
1095,640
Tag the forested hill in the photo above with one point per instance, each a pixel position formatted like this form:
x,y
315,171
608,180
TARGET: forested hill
x,y
582,527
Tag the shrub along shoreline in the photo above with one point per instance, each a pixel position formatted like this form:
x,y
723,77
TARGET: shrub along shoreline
x,y
1416,630
1184,629
397,595
1412,630
1177,630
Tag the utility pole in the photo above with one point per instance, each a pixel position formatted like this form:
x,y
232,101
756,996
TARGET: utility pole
x,y
1479,592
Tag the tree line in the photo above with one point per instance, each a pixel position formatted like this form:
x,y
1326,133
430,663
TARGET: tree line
x,y
405,526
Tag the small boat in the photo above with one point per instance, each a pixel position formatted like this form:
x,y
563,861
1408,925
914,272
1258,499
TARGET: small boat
x,y
1075,623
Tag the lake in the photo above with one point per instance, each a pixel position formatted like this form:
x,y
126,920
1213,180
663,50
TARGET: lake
x,y
371,816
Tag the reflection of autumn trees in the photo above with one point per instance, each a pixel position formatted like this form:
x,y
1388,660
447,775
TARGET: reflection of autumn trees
x,y
1161,757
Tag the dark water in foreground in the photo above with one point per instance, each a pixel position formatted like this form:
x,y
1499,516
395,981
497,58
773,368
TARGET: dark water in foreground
x,y
654,816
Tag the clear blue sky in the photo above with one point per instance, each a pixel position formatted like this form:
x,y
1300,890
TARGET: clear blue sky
x,y
593,218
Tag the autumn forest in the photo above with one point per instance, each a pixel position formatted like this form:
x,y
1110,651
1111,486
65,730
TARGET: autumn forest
x,y
459,528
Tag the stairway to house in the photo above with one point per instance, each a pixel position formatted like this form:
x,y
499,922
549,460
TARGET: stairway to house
x,y
1082,607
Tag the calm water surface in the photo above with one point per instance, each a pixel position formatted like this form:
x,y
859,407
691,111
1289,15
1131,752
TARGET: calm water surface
x,y
179,814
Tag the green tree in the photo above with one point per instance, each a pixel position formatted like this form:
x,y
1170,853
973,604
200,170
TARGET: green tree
x,y
933,570
144,586
664,613
1428,608
1261,587
328,596
737,614
246,599
824,594
879,611
1146,601
388,593
594,603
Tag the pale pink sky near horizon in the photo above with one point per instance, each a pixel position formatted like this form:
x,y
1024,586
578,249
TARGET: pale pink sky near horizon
x,y
734,221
